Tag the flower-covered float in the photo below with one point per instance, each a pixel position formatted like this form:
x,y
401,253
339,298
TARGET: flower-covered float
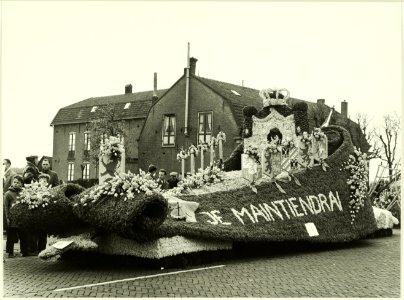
x,y
283,183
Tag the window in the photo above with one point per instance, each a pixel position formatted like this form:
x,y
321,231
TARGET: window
x,y
72,141
205,127
127,105
94,109
235,93
70,172
86,171
87,143
169,130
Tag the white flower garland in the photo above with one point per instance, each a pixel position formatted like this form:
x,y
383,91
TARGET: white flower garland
x,y
357,166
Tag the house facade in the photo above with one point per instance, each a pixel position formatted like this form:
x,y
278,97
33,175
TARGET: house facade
x,y
159,123
71,137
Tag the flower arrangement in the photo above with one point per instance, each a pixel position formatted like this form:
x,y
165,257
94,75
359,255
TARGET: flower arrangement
x,y
221,136
253,153
273,147
112,147
182,154
305,138
193,150
385,199
210,175
35,195
124,185
287,145
357,166
318,134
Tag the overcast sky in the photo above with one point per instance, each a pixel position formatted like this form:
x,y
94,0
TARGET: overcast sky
x,y
58,53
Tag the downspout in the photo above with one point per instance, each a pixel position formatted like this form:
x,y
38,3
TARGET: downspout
x,y
186,95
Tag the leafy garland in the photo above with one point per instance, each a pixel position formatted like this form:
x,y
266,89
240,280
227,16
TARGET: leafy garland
x,y
358,168
35,195
122,185
112,147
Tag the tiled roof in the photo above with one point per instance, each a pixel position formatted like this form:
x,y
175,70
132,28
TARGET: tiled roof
x,y
248,97
80,112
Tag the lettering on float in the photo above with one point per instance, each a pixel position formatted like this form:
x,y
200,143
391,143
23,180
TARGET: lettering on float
x,y
280,210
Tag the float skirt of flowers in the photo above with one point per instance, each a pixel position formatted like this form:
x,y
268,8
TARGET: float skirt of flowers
x,y
53,218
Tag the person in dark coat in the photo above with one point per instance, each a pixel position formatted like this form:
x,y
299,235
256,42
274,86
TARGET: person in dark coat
x,y
53,177
161,180
13,232
173,180
31,171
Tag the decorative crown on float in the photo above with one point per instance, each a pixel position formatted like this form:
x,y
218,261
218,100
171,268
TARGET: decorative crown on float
x,y
272,97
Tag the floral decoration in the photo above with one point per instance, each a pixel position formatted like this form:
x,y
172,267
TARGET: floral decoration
x,y
357,166
204,177
273,147
253,153
124,185
318,134
305,138
221,136
182,154
213,142
112,147
385,198
35,195
203,147
193,150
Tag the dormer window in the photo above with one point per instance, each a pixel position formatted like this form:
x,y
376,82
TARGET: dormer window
x,y
235,93
94,109
127,105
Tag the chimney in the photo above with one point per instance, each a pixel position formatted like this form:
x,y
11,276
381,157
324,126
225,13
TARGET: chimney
x,y
344,109
155,97
320,101
128,89
192,66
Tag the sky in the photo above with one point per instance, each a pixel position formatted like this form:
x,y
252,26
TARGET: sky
x,y
57,53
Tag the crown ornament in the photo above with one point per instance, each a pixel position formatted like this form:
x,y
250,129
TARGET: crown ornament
x,y
270,97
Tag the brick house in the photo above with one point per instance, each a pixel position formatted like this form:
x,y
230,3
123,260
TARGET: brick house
x,y
157,127
213,106
71,139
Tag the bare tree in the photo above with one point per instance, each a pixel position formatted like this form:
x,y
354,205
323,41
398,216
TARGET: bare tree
x,y
369,133
388,134
104,123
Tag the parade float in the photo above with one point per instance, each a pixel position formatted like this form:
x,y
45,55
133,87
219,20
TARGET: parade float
x,y
282,184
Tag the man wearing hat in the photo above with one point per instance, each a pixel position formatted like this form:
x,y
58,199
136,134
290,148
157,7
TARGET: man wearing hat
x,y
173,180
161,180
